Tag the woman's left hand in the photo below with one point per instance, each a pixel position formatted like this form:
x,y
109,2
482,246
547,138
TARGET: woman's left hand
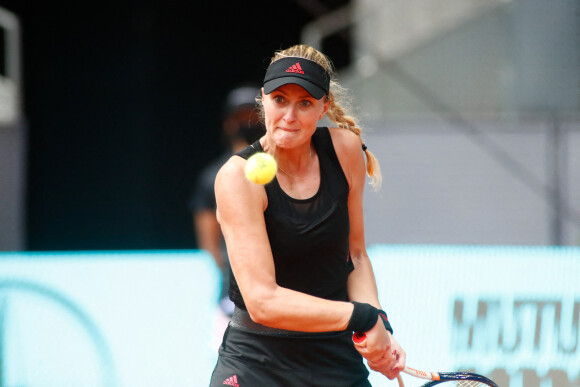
x,y
397,356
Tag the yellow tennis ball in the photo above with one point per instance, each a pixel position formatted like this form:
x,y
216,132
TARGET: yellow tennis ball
x,y
261,168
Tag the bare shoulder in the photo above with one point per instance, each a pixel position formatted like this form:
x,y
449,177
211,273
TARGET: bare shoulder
x,y
232,168
346,143
233,190
350,154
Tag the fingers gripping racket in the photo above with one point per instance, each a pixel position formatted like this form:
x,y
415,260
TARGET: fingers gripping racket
x,y
459,379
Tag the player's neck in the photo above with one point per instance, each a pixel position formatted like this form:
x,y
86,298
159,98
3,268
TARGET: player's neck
x,y
296,165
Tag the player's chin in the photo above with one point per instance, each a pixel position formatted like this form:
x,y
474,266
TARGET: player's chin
x,y
285,140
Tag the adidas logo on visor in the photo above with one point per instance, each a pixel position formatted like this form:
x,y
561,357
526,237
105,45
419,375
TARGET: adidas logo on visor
x,y
295,69
303,72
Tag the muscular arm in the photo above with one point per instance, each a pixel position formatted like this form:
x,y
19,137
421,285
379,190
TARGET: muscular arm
x,y
383,351
361,283
241,206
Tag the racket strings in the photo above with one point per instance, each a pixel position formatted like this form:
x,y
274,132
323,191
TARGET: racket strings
x,y
457,383
470,383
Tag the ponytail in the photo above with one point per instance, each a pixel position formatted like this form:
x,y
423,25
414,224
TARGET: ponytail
x,y
337,115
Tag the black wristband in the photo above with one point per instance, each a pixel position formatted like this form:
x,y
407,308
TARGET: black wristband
x,y
385,319
363,318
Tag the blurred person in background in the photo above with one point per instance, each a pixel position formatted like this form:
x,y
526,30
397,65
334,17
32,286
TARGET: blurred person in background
x,y
241,126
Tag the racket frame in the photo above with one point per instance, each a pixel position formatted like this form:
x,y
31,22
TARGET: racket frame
x,y
360,338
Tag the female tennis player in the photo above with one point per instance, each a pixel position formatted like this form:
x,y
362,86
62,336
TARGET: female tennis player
x,y
302,281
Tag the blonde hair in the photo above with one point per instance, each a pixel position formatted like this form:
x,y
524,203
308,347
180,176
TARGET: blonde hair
x,y
337,96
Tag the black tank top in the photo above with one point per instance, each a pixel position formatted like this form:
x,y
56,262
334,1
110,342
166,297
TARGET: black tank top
x,y
309,237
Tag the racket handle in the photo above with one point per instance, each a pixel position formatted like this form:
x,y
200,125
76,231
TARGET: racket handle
x,y
359,338
400,380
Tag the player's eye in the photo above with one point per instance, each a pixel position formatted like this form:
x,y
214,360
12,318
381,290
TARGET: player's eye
x,y
305,103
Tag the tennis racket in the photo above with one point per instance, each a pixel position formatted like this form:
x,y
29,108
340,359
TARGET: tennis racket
x,y
459,379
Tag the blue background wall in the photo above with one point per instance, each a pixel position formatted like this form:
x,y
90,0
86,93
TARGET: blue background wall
x,y
150,318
